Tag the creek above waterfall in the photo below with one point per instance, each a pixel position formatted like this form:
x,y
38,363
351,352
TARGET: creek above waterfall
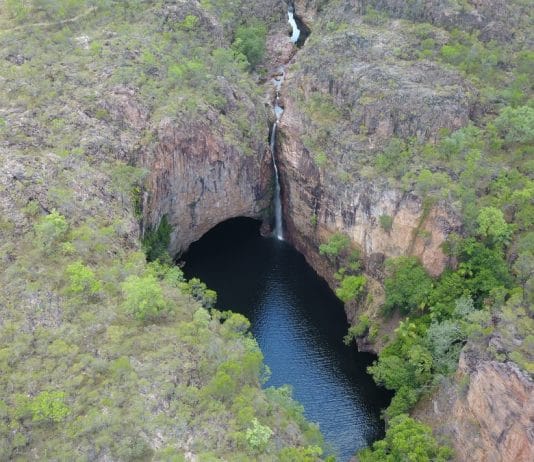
x,y
299,325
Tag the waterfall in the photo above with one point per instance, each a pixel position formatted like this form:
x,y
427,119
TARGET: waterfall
x,y
296,31
277,81
278,111
278,230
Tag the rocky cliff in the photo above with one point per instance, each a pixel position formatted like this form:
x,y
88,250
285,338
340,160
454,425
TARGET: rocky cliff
x,y
372,98
486,412
197,179
357,84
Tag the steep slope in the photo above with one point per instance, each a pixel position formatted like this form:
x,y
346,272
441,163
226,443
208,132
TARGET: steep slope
x,y
103,356
389,147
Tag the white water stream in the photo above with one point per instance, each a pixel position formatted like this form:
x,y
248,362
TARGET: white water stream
x,y
277,81
296,31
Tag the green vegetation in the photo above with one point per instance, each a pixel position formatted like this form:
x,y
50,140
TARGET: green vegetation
x,y
406,440
346,259
107,352
156,242
444,313
250,41
336,245
350,287
408,286
386,223
258,436
48,406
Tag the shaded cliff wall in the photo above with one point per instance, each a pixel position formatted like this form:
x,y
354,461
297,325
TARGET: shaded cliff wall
x,y
199,179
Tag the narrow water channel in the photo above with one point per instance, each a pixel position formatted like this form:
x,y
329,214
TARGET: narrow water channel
x,y
299,325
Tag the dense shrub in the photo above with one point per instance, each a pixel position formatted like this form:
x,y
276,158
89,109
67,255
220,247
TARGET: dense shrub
x,y
407,285
250,41
406,440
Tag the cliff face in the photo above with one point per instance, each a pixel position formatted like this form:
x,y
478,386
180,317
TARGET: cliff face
x,y
487,413
199,180
374,101
351,90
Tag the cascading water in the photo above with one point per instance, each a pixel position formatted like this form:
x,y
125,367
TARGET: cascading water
x,y
278,111
278,230
296,31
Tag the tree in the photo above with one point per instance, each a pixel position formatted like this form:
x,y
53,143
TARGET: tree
x,y
143,297
337,244
446,339
406,440
350,287
492,225
51,229
156,242
258,435
404,399
49,406
250,41
516,125
392,371
82,279
407,285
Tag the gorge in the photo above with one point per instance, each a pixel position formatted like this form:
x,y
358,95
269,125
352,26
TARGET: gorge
x,y
331,167
299,325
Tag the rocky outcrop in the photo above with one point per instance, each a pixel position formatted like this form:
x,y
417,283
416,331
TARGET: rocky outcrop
x,y
375,102
492,19
198,179
487,413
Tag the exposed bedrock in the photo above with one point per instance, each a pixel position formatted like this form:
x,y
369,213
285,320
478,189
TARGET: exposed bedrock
x,y
376,100
198,179
486,412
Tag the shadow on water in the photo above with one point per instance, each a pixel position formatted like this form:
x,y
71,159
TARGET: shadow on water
x,y
299,325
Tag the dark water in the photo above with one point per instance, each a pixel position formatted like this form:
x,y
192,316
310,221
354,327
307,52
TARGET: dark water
x,y
299,325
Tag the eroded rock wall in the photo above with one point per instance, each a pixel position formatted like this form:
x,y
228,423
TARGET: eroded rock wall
x,y
198,179
487,412
377,101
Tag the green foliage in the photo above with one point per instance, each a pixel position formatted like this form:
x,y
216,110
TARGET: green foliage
x,y
199,292
350,288
483,269
406,440
374,17
407,285
51,229
258,436
404,400
336,245
49,407
516,125
156,242
392,372
446,339
359,330
82,279
394,159
250,42
307,454
17,9
143,297
492,226
189,23
386,222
